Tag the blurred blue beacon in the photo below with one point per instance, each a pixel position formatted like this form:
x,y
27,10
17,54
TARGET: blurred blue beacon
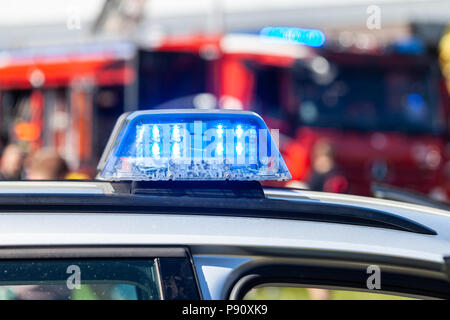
x,y
309,37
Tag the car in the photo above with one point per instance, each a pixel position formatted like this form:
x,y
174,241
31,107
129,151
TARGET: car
x,y
176,215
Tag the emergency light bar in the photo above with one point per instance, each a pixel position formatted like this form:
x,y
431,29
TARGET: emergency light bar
x,y
191,145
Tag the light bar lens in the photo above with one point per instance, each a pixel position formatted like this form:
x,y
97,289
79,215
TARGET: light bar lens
x,y
192,145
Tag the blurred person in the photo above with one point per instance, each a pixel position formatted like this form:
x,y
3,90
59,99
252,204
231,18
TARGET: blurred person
x,y
325,175
11,163
46,164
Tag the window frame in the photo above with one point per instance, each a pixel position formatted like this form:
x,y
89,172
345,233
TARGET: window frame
x,y
349,277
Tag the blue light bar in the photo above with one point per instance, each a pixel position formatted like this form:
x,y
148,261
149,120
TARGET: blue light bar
x,y
309,37
191,145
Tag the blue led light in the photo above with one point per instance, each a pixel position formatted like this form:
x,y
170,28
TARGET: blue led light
x,y
309,37
176,136
219,149
176,150
155,149
155,133
239,148
219,131
239,131
192,145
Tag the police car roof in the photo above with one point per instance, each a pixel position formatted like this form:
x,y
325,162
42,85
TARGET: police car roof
x,y
98,213
164,185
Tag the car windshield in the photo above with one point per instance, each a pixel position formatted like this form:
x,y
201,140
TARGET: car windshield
x,y
162,77
367,97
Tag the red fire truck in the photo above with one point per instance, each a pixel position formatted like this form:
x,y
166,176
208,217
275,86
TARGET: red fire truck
x,y
385,113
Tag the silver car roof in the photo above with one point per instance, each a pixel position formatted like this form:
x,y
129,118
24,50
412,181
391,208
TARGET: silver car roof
x,y
207,234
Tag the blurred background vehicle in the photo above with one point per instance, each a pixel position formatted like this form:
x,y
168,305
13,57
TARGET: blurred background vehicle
x,y
373,81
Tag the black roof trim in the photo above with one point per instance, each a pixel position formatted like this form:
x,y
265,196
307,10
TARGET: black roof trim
x,y
307,210
91,251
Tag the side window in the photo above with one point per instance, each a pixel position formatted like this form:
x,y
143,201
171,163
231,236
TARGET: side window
x,y
109,279
118,277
